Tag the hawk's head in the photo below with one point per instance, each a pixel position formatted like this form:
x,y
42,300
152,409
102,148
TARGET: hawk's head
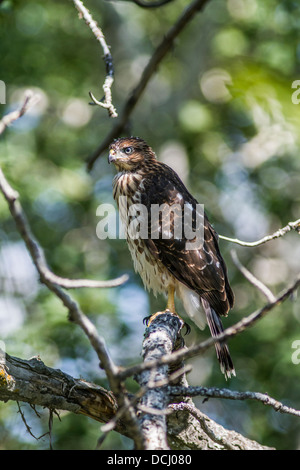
x,y
130,153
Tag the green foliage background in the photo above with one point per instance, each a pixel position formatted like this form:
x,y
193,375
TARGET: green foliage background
x,y
218,110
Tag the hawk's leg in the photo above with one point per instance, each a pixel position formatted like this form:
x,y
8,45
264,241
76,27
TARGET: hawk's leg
x,y
171,299
170,308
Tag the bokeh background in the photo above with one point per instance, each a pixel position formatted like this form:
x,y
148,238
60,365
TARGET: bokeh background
x,y
219,110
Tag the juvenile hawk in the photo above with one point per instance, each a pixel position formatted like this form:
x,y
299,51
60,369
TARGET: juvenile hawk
x,y
164,260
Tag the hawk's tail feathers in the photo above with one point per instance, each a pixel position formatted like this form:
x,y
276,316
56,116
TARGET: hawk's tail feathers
x,y
216,327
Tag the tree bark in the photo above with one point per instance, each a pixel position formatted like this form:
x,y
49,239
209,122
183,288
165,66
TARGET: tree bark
x,y
31,381
186,427
166,422
160,339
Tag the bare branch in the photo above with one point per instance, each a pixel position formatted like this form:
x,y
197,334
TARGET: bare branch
x,y
30,100
83,283
279,233
106,102
28,428
31,381
213,392
158,55
252,279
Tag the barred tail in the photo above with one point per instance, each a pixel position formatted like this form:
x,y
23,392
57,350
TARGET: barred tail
x,y
216,327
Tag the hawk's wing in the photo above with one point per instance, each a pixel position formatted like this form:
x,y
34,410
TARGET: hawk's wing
x,y
202,269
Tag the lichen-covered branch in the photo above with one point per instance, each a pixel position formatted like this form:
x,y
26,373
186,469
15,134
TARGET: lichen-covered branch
x,y
31,381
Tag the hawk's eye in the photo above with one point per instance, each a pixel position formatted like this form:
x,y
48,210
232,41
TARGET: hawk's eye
x,y
128,150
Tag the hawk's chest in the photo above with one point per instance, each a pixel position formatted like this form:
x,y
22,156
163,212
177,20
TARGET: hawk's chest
x,y
127,191
126,184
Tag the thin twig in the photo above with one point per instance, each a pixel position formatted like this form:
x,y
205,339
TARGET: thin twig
x,y
279,233
106,102
158,55
28,428
30,100
252,279
50,424
84,283
213,392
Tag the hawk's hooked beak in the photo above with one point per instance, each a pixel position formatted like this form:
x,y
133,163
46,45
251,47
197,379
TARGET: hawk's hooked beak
x,y
112,156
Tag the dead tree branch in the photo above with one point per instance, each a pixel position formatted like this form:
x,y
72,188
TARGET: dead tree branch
x,y
30,100
279,233
160,339
252,279
106,102
158,55
33,382
213,392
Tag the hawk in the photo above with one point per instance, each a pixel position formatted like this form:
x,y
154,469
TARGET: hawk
x,y
196,273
